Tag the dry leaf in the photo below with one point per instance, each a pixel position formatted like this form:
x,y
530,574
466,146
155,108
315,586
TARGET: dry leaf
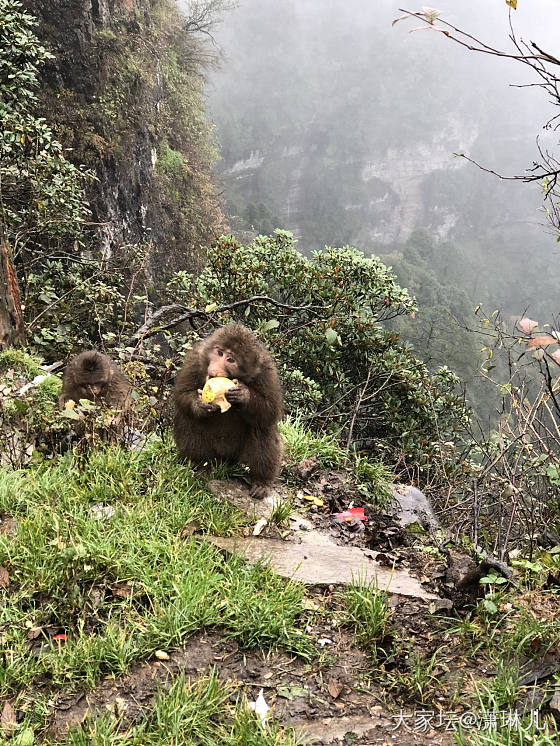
x,y
526,325
161,655
556,356
335,687
122,590
8,722
541,341
4,577
314,500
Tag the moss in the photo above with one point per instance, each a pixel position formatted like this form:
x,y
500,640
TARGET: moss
x,y
50,388
170,161
21,362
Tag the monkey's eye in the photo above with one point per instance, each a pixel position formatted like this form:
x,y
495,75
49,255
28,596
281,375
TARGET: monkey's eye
x,y
231,360
220,352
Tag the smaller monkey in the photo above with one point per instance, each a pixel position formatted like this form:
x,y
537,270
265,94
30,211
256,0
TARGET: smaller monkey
x,y
92,375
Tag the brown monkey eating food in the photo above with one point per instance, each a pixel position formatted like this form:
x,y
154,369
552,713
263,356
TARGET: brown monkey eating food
x,y
247,432
94,376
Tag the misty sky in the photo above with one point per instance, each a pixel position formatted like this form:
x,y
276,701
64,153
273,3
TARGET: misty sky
x,y
350,20
342,129
323,110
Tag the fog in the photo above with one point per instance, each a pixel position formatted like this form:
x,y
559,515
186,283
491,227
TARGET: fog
x,y
343,129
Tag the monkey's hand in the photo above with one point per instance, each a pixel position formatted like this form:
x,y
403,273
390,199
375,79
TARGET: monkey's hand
x,y
238,394
203,409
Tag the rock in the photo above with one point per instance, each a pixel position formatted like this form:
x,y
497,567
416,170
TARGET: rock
x,y
462,570
307,467
554,703
333,730
323,564
442,604
238,495
412,506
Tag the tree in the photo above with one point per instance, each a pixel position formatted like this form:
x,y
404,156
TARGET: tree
x,y
41,193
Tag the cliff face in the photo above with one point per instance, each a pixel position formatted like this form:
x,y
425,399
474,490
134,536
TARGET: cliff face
x,y
380,198
124,94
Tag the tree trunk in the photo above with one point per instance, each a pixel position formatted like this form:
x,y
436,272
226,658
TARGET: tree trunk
x,y
12,330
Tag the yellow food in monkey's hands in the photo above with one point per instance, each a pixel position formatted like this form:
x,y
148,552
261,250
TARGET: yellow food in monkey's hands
x,y
214,391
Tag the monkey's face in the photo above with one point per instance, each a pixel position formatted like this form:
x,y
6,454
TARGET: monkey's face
x,y
223,362
92,389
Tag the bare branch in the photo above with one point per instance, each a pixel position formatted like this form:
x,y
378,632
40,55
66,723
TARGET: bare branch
x,y
545,66
184,313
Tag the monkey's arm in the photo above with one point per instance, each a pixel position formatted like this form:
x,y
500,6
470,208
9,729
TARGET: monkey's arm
x,y
119,395
260,402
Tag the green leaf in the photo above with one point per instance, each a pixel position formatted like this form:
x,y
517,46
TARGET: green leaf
x,y
25,738
70,414
269,325
332,337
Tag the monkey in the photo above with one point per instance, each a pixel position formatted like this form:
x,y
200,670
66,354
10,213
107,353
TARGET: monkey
x,y
247,432
94,376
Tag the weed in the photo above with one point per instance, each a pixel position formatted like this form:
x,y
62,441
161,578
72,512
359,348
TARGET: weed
x,y
421,682
367,612
372,478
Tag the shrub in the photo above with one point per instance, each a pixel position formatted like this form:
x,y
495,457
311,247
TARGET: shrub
x,y
341,369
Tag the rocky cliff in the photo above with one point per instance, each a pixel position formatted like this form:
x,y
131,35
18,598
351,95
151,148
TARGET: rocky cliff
x,y
124,94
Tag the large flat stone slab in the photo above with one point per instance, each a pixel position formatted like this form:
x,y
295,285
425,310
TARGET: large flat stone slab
x,y
323,564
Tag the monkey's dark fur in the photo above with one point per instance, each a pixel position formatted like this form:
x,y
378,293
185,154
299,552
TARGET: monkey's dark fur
x,y
92,375
248,431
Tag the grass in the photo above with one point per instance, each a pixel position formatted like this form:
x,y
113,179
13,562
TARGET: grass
x,y
66,562
527,734
511,633
199,712
421,681
366,611
501,725
372,478
110,550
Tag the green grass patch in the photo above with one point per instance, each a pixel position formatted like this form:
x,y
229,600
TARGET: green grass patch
x,y
200,712
366,611
86,527
372,478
